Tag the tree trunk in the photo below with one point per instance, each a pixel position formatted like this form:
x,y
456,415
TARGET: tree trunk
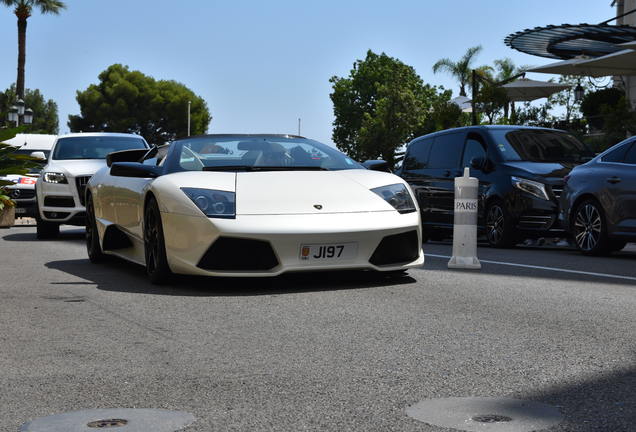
x,y
22,27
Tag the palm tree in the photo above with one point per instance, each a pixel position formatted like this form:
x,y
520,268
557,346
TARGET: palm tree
x,y
507,69
23,10
460,69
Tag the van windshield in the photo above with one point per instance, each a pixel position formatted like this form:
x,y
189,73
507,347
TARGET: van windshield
x,y
536,145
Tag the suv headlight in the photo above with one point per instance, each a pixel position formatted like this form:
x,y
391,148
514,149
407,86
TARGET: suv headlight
x,y
532,187
54,177
213,203
398,196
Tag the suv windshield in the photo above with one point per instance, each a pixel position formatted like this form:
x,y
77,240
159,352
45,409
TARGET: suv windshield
x,y
94,147
235,153
536,145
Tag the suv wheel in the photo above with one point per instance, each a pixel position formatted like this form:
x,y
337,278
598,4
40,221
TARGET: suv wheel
x,y
499,227
589,229
45,229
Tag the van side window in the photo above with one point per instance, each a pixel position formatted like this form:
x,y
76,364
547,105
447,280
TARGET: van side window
x,y
446,151
417,155
475,147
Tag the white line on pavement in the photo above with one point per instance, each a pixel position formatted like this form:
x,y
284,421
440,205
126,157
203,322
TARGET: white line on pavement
x,y
556,269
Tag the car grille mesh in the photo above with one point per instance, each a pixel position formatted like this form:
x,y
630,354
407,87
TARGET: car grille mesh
x,y
396,249
81,183
236,254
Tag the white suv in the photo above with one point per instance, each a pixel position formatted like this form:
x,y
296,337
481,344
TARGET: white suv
x,y
73,160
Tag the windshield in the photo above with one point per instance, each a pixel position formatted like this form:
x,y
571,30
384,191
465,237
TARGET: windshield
x,y
235,153
540,146
94,147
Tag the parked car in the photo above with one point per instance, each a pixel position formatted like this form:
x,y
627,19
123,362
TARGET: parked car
x,y
250,205
598,205
520,171
73,160
23,190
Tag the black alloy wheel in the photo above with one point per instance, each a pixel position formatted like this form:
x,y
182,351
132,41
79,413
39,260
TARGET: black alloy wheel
x,y
589,229
157,267
499,227
93,248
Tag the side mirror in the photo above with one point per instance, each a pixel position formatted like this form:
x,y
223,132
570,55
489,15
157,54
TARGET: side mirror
x,y
126,156
38,155
480,163
134,169
376,165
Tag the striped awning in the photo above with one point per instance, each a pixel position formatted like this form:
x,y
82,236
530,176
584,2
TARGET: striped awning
x,y
569,41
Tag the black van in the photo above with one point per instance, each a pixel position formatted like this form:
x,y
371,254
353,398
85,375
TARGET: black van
x,y
520,171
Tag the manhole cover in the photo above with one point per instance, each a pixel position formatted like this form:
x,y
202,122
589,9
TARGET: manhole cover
x,y
503,415
491,418
107,423
118,419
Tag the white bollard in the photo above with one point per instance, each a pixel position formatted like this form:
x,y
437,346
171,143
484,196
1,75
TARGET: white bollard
x,y
465,223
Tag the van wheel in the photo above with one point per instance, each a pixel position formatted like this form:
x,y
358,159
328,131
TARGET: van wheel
x,y
499,226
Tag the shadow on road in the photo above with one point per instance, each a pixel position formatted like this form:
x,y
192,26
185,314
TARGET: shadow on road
x,y
121,276
606,402
73,235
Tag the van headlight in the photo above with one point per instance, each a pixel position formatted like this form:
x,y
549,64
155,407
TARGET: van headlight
x,y
54,177
213,203
398,196
532,187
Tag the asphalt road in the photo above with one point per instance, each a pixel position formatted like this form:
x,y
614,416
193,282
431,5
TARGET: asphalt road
x,y
342,352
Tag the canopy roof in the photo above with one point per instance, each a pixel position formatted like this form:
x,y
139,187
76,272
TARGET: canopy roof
x,y
528,90
619,63
569,41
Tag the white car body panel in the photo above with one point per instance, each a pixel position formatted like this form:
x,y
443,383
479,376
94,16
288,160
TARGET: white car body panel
x,y
272,206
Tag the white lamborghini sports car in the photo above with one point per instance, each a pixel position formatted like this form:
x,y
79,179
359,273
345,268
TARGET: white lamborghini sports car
x,y
250,205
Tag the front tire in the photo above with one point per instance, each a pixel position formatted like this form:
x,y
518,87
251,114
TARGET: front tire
x,y
95,254
590,229
157,267
44,229
499,226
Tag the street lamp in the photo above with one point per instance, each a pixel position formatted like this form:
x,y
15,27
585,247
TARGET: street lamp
x,y
19,114
579,92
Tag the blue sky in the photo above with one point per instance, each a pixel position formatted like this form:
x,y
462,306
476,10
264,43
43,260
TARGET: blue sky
x,y
262,65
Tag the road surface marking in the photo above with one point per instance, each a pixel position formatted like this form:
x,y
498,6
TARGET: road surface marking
x,y
556,269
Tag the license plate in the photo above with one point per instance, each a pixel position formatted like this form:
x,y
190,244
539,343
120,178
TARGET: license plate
x,y
328,252
19,210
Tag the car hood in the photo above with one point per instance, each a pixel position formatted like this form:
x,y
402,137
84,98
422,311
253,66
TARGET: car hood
x,y
552,171
293,192
75,167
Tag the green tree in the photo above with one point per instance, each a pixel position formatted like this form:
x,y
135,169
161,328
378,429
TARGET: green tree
x,y
461,69
129,101
506,69
45,119
381,105
23,10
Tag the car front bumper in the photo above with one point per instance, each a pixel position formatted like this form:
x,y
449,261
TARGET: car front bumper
x,y
189,238
61,202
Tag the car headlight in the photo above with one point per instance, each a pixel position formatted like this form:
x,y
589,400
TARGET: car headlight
x,y
213,203
532,187
398,196
54,177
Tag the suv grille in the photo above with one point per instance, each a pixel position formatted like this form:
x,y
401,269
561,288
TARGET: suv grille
x,y
81,183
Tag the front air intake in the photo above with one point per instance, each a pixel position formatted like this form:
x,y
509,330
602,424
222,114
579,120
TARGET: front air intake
x,y
236,254
396,249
